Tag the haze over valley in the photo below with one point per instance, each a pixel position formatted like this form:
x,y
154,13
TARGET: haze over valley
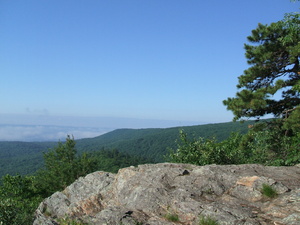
x,y
56,128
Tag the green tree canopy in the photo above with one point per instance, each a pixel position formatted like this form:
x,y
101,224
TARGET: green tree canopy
x,y
271,84
62,167
18,200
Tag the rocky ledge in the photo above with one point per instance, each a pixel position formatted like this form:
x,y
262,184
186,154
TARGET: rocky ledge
x,y
166,193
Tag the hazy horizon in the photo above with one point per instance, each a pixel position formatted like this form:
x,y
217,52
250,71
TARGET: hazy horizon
x,y
55,128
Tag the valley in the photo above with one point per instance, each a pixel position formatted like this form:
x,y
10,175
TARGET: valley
x,y
150,144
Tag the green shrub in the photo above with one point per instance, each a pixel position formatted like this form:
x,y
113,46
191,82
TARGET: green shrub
x,y
268,191
18,200
207,151
172,217
266,143
207,220
270,144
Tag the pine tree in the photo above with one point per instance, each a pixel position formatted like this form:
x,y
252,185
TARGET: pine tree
x,y
271,84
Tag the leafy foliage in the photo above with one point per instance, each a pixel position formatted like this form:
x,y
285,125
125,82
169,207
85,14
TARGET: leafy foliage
x,y
113,160
267,144
264,146
18,200
62,167
206,151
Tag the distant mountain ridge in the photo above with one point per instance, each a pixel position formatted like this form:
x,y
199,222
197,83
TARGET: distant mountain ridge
x,y
152,143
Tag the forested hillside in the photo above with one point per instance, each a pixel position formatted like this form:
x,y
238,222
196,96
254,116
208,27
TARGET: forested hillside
x,y
22,157
153,143
26,157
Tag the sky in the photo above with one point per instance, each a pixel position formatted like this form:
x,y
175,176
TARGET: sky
x,y
125,63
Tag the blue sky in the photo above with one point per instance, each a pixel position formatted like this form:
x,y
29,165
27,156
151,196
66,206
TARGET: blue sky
x,y
140,59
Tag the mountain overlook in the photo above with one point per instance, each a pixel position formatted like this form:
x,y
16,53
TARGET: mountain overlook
x,y
26,157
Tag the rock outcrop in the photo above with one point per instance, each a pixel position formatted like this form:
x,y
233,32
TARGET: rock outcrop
x,y
166,193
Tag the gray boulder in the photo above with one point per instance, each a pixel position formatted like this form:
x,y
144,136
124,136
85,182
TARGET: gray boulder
x,y
166,193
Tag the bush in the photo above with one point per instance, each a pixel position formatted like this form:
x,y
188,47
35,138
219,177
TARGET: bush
x,y
271,145
18,200
266,143
207,151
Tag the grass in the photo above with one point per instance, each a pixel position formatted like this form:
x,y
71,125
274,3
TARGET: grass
x,y
268,191
207,220
172,217
68,221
